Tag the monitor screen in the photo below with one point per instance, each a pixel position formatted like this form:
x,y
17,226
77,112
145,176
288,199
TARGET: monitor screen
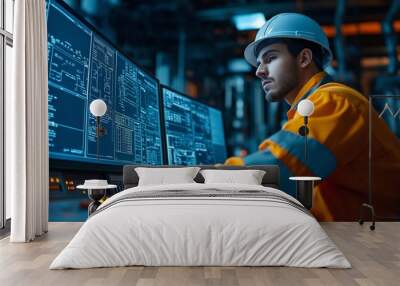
x,y
83,66
194,131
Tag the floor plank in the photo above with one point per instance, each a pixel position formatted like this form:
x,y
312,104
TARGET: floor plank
x,y
374,255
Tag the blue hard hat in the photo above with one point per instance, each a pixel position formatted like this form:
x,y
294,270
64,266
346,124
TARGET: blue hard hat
x,y
293,26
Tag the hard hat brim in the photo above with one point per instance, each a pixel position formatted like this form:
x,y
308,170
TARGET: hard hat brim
x,y
250,53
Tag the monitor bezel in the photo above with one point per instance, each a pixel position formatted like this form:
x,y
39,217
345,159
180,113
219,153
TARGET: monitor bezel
x,y
162,87
102,164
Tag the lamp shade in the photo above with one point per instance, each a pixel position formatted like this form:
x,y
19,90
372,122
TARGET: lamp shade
x,y
305,107
98,107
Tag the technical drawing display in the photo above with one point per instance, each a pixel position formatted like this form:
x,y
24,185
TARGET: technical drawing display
x,y
194,131
83,67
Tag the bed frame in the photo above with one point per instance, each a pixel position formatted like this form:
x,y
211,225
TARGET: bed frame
x,y
270,179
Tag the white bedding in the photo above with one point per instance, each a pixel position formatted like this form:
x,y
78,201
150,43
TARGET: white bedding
x,y
226,231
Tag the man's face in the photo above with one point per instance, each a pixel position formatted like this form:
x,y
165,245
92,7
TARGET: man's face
x,y
277,70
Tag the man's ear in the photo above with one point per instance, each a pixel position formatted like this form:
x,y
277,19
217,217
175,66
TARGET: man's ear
x,y
304,58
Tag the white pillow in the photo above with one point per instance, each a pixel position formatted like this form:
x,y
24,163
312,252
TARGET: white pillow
x,y
248,177
165,176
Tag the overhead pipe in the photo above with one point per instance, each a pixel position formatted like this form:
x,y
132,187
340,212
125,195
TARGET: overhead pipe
x,y
180,82
390,37
339,43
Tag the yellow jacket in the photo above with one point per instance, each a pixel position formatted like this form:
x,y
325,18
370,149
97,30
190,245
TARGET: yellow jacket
x,y
337,152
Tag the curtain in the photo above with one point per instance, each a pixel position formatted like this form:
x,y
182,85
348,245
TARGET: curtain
x,y
27,169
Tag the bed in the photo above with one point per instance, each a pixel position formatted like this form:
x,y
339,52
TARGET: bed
x,y
197,224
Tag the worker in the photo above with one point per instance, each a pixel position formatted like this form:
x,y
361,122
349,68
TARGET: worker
x,y
290,53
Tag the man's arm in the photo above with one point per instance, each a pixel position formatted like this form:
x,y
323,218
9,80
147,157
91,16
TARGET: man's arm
x,y
337,128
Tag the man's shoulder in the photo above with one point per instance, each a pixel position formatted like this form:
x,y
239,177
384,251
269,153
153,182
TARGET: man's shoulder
x,y
341,93
339,88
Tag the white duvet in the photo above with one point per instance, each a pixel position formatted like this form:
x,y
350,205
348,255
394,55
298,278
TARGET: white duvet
x,y
200,231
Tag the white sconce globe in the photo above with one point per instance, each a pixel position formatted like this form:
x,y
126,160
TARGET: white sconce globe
x,y
98,107
305,107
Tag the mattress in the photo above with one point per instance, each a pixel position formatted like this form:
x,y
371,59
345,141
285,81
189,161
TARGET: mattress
x,y
201,225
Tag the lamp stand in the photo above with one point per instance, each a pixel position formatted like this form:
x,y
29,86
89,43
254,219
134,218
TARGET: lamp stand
x,y
97,135
100,131
305,138
303,131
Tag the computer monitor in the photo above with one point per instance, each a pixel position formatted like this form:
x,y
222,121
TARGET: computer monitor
x,y
84,66
194,131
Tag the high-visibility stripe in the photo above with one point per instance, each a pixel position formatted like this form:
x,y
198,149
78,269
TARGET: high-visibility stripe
x,y
321,160
265,157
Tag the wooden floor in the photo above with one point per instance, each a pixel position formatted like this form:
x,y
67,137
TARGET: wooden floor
x,y
374,255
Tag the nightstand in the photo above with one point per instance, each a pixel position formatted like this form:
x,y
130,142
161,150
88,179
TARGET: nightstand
x,y
97,190
304,189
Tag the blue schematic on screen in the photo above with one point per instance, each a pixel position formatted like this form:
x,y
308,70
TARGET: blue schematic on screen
x,y
83,67
194,131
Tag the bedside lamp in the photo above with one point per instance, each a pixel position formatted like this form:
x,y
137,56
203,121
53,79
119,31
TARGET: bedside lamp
x,y
305,108
98,108
305,185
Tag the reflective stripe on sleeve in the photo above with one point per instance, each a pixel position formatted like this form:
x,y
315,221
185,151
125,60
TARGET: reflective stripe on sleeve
x,y
321,160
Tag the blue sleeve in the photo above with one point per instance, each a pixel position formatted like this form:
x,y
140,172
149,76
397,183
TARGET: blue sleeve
x,y
321,161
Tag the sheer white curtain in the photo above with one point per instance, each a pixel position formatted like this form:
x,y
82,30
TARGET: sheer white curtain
x,y
27,124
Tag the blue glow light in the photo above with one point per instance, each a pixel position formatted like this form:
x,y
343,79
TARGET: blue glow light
x,y
90,7
249,21
114,2
238,65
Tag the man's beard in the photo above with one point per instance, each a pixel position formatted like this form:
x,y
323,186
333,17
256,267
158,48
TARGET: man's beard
x,y
288,84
